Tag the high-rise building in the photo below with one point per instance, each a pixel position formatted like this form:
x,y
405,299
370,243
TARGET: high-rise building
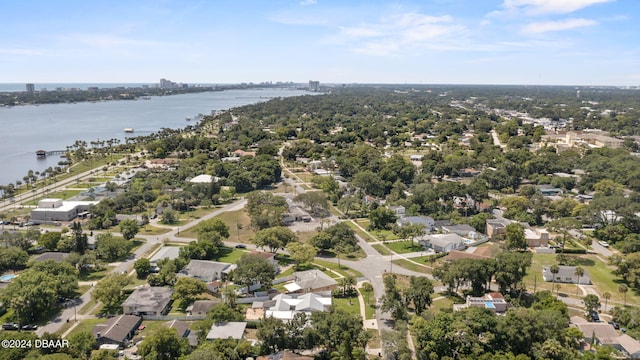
x,y
31,88
314,85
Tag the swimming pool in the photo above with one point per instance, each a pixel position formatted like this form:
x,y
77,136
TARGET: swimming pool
x,y
8,277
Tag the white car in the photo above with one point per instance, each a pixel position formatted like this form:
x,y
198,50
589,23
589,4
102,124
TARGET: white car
x,y
603,243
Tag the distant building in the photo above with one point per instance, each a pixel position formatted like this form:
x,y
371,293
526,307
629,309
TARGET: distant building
x,y
425,221
204,179
399,210
314,85
55,256
497,227
31,88
566,274
443,242
286,306
536,237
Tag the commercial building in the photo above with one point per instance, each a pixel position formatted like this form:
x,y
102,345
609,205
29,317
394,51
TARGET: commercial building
x,y
58,210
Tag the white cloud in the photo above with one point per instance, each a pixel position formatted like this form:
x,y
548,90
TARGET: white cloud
x,y
560,25
308,2
538,7
21,52
398,32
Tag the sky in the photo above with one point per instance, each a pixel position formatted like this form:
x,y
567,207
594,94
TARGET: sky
x,y
529,42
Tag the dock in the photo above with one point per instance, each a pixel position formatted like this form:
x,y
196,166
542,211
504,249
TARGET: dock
x,y
45,153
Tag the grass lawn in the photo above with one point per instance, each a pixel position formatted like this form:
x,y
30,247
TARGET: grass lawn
x,y
369,300
343,270
96,275
374,341
412,266
239,226
360,233
63,194
152,230
383,250
87,325
230,255
380,234
404,247
149,327
343,303
605,281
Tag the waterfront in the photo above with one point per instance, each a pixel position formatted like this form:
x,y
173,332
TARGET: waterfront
x,y
29,128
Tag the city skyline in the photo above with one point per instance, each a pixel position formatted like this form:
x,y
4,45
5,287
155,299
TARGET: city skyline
x,y
528,42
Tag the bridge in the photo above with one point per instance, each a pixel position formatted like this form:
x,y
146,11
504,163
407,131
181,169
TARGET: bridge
x,y
45,153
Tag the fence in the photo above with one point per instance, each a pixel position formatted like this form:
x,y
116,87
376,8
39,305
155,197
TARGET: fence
x,y
174,317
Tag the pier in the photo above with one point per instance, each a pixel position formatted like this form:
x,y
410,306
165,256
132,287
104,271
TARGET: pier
x,y
45,153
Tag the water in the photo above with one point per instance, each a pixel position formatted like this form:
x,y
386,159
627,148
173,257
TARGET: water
x,y
26,129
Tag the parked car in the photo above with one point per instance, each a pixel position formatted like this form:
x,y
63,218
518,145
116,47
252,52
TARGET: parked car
x,y
241,246
29,327
603,244
615,325
10,326
593,316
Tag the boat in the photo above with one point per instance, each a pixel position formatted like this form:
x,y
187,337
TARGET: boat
x,y
128,130
188,118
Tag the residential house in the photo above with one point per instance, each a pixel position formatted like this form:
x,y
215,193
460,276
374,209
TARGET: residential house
x,y
416,157
148,300
425,221
285,355
226,330
370,200
165,252
286,305
202,307
497,227
311,281
161,164
55,256
493,301
442,242
548,190
398,210
605,334
204,179
536,237
207,271
183,331
464,230
241,153
566,274
117,330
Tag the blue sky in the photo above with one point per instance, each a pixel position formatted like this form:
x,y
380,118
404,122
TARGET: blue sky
x,y
565,42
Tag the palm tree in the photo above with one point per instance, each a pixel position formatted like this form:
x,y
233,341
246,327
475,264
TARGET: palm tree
x,y
579,272
606,297
367,288
554,269
623,290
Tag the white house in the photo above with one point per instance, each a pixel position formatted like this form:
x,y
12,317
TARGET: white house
x,y
566,274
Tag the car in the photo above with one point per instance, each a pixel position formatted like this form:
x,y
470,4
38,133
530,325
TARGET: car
x,y
603,244
10,326
29,327
615,325
241,246
594,317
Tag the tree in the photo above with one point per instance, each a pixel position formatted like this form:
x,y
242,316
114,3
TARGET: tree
x,y
346,283
515,237
419,293
368,289
13,258
80,240
169,216
381,219
81,344
252,269
339,331
142,267
265,209
314,201
301,253
31,295
579,272
274,238
392,299
50,239
591,303
564,227
623,289
272,334
606,296
110,291
410,231
213,225
129,228
186,290
163,344
111,248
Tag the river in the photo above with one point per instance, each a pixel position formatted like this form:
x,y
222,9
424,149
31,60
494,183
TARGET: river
x,y
26,129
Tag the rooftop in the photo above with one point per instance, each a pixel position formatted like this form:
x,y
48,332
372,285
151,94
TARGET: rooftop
x,y
225,330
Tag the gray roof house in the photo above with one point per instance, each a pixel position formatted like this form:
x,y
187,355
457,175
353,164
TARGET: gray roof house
x,y
425,221
566,274
225,330
202,307
148,300
165,252
118,330
207,271
443,242
55,256
286,306
310,281
460,229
